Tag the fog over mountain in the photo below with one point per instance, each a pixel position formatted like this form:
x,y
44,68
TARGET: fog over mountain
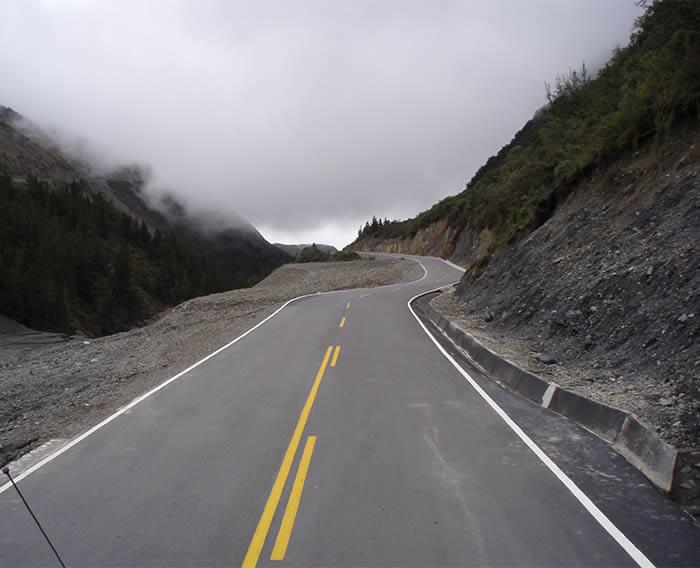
x,y
303,117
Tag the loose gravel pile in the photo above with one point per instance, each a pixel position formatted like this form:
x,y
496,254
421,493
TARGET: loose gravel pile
x,y
58,390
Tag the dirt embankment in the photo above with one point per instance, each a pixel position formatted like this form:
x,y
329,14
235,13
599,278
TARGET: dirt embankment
x,y
437,239
604,298
57,390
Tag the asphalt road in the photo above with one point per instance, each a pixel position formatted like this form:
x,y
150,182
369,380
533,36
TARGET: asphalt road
x,y
338,434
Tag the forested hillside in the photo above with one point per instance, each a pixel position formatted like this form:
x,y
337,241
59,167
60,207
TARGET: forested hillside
x,y
644,91
294,250
70,261
84,249
314,253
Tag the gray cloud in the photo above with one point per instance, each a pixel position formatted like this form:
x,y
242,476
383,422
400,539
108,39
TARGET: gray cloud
x,y
304,117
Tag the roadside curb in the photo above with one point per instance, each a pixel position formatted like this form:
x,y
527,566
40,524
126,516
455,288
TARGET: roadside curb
x,y
672,470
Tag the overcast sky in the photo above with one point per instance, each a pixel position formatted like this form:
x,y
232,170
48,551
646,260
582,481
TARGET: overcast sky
x,y
304,117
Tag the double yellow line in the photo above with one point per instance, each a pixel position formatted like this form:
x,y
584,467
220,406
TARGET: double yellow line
x,y
279,549
258,540
290,514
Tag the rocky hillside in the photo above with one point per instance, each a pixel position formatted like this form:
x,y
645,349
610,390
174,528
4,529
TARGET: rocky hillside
x,y
83,251
639,98
580,237
27,152
605,295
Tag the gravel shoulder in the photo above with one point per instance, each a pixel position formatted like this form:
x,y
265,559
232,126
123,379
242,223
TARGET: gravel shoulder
x,y
57,390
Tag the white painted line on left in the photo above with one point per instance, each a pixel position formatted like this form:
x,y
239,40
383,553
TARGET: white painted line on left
x,y
144,396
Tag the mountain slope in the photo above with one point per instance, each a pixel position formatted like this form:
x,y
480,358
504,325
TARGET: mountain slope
x,y
638,97
87,253
580,237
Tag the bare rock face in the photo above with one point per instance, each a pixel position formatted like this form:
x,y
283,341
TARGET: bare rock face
x,y
436,239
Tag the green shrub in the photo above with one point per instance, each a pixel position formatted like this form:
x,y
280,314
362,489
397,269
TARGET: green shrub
x,y
314,254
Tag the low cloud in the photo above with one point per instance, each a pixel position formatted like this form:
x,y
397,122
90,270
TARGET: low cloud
x,y
303,117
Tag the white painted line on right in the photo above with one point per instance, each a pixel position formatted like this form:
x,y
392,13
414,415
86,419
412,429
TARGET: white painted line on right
x,y
453,265
636,554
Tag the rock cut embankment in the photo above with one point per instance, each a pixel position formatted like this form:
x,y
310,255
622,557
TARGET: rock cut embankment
x,y
604,298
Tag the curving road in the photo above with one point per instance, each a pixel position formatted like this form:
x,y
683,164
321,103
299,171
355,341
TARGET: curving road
x,y
339,434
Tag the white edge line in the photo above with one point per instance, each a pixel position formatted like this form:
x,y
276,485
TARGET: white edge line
x,y
453,265
636,554
154,390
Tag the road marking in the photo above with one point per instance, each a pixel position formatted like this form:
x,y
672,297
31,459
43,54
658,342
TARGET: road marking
x,y
453,265
290,514
335,355
258,540
636,554
124,409
347,306
342,322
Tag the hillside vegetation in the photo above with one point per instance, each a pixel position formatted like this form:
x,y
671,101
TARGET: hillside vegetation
x,y
314,253
70,261
644,91
294,250
86,250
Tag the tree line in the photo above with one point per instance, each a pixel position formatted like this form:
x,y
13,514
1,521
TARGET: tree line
x,y
313,253
71,262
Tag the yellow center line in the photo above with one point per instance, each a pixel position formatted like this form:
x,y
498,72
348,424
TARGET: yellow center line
x,y
342,322
347,307
335,355
258,540
290,514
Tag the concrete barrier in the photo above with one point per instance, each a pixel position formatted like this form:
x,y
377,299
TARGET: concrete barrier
x,y
601,419
636,441
523,382
649,453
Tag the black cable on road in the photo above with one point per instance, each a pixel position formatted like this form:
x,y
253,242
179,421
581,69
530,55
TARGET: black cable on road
x,y
6,471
